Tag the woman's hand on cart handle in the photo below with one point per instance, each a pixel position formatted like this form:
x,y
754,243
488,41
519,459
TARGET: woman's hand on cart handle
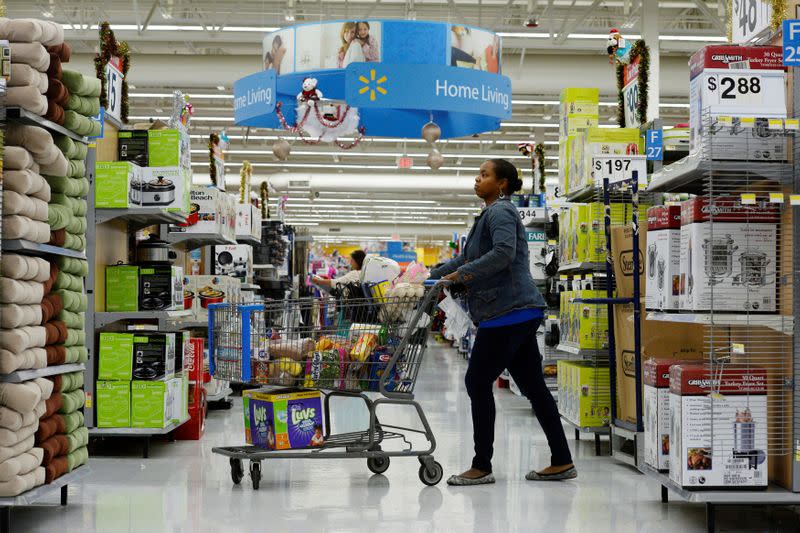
x,y
443,282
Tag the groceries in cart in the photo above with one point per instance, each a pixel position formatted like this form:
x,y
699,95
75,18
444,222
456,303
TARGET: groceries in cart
x,y
286,419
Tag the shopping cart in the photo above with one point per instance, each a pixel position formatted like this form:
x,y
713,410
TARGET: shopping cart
x,y
364,344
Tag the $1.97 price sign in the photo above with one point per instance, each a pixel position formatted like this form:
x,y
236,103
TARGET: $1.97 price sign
x,y
620,168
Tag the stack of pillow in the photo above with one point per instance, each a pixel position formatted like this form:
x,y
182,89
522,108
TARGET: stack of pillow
x,y
24,312
29,151
21,407
83,102
67,204
57,94
61,433
30,61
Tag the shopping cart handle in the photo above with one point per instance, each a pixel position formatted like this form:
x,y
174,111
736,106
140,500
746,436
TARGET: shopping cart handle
x,y
441,282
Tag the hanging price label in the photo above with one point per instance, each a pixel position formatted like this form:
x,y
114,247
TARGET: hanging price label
x,y
620,168
748,19
735,89
529,215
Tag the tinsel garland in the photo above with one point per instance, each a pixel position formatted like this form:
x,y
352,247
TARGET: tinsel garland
x,y
642,51
213,140
2,8
539,151
264,199
244,181
303,136
109,47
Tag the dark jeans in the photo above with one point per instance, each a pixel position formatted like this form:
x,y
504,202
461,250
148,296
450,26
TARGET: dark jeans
x,y
515,348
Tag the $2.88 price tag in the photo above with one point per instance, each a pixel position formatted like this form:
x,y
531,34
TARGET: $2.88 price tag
x,y
736,89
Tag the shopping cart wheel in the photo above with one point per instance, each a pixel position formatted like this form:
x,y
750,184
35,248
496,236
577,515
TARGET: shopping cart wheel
x,y
433,476
255,474
378,465
237,472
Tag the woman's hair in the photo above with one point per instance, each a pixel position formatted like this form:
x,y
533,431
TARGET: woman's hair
x,y
277,40
347,26
503,170
358,256
364,22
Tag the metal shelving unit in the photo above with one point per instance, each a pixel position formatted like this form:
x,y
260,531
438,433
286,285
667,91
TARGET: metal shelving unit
x,y
24,116
103,319
24,375
780,323
581,267
598,431
143,433
137,218
22,246
247,239
191,241
39,493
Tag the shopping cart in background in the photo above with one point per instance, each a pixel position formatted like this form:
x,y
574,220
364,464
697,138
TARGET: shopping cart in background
x,y
373,343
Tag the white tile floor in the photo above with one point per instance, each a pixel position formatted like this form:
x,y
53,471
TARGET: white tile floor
x,y
183,487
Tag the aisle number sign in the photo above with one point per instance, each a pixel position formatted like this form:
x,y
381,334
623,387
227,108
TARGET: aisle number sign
x,y
114,88
749,18
620,168
654,145
791,43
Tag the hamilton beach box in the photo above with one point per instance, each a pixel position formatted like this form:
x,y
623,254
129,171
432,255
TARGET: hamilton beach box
x,y
718,427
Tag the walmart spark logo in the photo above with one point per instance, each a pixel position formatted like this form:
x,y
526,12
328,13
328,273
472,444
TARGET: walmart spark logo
x,y
368,85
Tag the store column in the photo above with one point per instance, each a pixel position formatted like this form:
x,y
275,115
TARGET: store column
x,y
650,36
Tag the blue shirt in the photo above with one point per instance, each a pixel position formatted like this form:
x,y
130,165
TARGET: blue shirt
x,y
514,317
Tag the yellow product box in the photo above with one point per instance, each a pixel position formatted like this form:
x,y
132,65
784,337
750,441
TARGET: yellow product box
x,y
573,124
592,324
576,157
580,232
592,386
607,141
564,243
579,101
563,166
563,317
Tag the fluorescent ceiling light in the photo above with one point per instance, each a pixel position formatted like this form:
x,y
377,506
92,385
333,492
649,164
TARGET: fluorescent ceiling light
x,y
174,27
524,35
604,36
191,95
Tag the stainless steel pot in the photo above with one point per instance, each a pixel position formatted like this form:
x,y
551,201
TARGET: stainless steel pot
x,y
662,267
155,192
753,265
651,260
719,258
154,251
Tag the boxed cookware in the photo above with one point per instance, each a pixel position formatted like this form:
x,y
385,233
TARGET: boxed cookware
x,y
718,426
160,288
166,187
208,290
235,260
153,356
285,419
585,399
622,259
655,412
730,261
132,146
663,258
179,394
169,148
255,217
244,220
115,356
732,80
122,288
153,402
604,141
204,212
112,183
113,404
579,109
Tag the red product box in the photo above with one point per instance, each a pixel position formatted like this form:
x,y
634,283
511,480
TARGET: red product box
x,y
193,360
728,56
664,217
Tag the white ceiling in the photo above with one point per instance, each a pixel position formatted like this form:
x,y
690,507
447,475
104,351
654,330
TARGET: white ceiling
x,y
203,46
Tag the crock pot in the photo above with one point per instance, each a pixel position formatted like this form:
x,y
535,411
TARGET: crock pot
x,y
210,295
159,191
154,251
188,299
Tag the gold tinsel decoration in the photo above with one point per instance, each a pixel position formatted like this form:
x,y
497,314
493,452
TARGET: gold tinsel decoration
x,y
264,200
244,181
729,22
3,10
779,9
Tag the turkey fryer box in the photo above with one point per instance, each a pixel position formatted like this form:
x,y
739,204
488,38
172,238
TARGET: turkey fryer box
x,y
663,257
718,426
655,414
728,255
283,419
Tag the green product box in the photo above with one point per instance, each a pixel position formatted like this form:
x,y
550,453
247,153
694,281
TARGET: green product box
x,y
592,322
168,148
112,182
113,404
151,404
122,288
179,392
115,357
592,386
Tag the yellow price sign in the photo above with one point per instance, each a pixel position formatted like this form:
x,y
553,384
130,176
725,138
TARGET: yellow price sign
x,y
748,198
725,121
775,124
776,198
794,199
748,122
791,124
737,348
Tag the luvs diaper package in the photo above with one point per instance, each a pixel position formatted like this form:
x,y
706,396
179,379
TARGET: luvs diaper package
x,y
285,419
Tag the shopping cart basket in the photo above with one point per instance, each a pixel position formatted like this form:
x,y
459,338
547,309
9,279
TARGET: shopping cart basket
x,y
375,343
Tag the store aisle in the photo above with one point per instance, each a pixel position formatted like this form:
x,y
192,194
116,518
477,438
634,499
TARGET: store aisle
x,y
183,487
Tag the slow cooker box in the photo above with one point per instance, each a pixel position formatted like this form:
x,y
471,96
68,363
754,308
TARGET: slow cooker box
x,y
655,414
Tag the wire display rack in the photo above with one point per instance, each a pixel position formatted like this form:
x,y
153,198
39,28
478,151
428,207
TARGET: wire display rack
x,y
739,234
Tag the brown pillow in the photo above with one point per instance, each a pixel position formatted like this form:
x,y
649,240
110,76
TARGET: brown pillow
x,y
52,425
63,51
53,404
54,70
55,446
56,355
57,468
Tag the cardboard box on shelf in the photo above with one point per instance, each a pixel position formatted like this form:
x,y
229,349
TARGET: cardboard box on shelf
x,y
583,393
160,288
152,403
209,290
244,220
655,374
235,260
590,321
718,427
122,288
605,141
255,217
659,340
112,183
115,357
728,255
663,258
286,419
153,356
113,404
133,147
169,148
622,258
165,187
204,212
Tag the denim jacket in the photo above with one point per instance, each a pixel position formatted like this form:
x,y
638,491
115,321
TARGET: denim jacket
x,y
494,265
